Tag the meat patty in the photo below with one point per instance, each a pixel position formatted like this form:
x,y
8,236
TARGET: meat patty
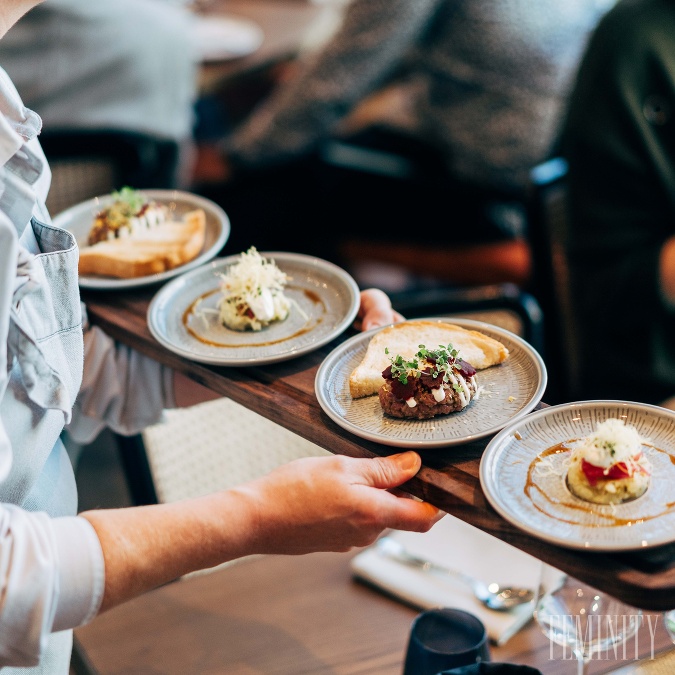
x,y
427,406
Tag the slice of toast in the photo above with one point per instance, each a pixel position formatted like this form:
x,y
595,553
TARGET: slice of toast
x,y
162,248
405,339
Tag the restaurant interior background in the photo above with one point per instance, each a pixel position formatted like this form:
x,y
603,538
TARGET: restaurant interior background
x,y
312,615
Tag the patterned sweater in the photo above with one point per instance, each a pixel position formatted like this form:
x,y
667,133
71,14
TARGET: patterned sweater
x,y
483,80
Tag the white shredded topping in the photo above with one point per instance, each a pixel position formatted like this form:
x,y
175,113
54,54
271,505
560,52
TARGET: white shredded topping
x,y
548,466
302,313
253,286
612,442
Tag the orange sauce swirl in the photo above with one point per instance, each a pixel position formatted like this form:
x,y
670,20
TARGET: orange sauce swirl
x,y
189,313
574,504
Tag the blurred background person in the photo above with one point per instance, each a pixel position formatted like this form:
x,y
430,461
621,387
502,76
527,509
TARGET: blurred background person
x,y
126,65
618,140
453,101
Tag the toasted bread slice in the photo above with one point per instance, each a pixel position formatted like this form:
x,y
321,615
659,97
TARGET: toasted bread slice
x,y
162,248
405,339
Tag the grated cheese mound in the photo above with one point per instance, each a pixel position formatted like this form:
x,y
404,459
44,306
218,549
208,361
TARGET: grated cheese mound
x,y
252,293
612,441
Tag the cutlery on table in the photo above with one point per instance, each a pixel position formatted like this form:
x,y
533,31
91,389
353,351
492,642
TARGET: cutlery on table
x,y
492,595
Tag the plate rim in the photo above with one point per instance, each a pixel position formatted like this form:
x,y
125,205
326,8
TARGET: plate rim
x,y
427,444
313,261
496,504
112,284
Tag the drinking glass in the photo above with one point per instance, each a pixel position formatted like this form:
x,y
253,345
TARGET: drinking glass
x,y
576,615
669,623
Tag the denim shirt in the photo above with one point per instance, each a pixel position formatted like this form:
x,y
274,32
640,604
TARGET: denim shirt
x,y
51,564
44,346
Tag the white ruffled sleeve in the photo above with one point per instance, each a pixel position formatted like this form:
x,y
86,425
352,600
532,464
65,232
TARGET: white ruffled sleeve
x,y
51,578
121,389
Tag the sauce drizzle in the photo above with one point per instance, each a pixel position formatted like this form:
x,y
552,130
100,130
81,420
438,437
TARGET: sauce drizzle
x,y
312,322
541,497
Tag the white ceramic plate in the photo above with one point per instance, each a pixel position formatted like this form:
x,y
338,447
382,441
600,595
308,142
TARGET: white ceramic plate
x,y
511,390
78,219
325,297
220,37
539,502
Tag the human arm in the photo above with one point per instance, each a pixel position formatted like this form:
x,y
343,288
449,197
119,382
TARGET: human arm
x,y
51,579
311,504
667,270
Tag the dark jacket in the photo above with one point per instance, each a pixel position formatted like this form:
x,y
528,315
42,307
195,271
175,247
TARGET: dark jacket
x,y
619,140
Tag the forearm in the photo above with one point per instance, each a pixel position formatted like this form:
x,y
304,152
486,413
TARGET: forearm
x,y
148,546
310,504
667,271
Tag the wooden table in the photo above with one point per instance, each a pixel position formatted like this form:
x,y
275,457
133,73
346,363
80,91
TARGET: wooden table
x,y
279,615
450,480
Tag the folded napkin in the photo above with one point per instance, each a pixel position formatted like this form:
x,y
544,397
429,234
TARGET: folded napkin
x,y
454,544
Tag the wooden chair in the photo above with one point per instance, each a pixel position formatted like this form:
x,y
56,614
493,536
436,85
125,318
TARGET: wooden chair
x,y
504,305
413,177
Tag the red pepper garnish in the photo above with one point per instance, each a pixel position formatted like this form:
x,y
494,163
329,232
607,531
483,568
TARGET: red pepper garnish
x,y
597,473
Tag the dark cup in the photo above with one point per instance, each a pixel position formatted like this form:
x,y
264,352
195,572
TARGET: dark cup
x,y
445,638
492,669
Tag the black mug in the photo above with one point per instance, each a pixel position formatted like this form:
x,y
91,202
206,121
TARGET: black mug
x,y
492,669
445,638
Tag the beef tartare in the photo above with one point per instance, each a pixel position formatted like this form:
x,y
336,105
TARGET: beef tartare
x,y
434,382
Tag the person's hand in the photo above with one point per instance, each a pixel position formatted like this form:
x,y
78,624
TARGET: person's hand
x,y
333,503
313,504
375,310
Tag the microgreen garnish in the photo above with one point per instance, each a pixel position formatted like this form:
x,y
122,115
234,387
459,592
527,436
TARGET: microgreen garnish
x,y
132,197
437,362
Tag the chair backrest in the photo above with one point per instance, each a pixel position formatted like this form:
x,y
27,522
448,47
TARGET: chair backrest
x,y
504,305
548,235
89,163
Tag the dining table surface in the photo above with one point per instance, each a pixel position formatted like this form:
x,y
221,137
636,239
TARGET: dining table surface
x,y
284,393
304,615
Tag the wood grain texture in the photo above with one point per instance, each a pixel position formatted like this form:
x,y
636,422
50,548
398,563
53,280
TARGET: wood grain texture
x,y
279,615
284,393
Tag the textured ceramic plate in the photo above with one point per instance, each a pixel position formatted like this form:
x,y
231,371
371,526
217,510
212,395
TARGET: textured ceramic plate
x,y
325,303
510,390
529,489
79,219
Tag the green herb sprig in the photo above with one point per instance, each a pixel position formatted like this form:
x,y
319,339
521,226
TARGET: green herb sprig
x,y
442,361
133,198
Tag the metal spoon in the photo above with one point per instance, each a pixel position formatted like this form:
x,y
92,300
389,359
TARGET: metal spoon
x,y
491,595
